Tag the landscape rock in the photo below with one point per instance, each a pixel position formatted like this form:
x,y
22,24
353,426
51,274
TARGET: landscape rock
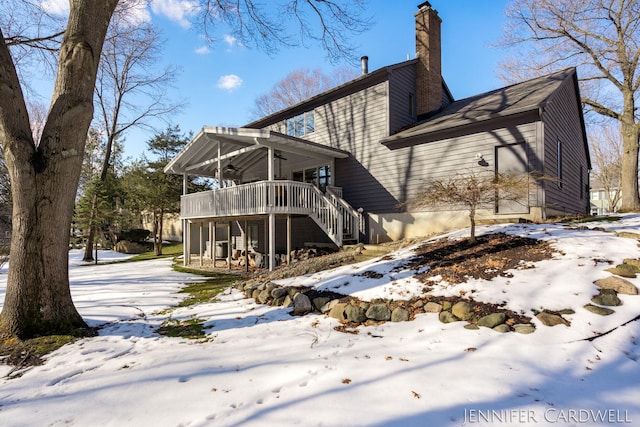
x,y
502,328
328,306
277,302
549,319
263,296
288,301
602,311
279,292
320,302
524,328
492,320
628,235
418,304
471,326
399,314
462,310
270,286
635,263
127,247
607,297
618,284
446,305
447,317
623,270
338,311
301,304
355,314
432,307
379,312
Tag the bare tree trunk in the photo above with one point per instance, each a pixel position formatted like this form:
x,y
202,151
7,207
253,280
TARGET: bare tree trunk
x,y
45,177
629,185
472,221
88,250
157,233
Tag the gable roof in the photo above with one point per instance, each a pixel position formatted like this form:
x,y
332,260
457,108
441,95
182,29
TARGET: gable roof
x,y
523,100
200,156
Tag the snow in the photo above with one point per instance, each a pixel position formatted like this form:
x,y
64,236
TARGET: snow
x,y
262,367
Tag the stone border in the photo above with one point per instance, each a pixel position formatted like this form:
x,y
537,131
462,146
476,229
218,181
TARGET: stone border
x,y
354,312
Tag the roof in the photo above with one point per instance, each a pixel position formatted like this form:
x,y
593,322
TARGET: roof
x,y
518,99
242,146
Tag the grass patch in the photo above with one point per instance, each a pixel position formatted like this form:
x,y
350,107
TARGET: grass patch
x,y
168,251
202,292
192,329
588,219
25,353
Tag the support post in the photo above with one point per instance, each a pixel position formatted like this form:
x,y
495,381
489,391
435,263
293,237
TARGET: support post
x,y
214,240
288,239
246,247
186,242
229,245
272,241
200,229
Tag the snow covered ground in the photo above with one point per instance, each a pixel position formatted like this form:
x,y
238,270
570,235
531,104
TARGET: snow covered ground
x,y
263,367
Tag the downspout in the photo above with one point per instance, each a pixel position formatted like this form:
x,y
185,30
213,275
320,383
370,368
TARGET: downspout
x,y
185,237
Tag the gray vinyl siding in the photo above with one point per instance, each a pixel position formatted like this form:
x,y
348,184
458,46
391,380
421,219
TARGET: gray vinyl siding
x,y
561,122
440,159
402,86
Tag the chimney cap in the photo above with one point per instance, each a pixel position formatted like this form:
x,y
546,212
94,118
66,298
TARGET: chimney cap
x,y
424,4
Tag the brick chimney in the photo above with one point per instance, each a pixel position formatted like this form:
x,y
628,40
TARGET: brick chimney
x,y
428,52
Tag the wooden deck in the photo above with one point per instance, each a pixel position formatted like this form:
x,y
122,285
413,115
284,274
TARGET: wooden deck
x,y
334,215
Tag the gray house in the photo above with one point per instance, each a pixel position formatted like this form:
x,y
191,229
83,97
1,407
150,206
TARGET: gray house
x,y
337,167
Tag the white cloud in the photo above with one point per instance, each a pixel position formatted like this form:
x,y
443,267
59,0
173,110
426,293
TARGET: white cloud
x,y
230,40
55,7
203,50
177,10
229,82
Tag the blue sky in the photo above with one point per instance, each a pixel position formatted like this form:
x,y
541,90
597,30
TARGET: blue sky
x,y
469,28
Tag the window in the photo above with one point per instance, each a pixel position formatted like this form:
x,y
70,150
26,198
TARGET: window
x,y
412,105
320,176
302,124
291,128
559,163
310,122
324,177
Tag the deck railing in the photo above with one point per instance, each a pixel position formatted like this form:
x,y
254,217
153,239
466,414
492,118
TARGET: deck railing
x,y
330,212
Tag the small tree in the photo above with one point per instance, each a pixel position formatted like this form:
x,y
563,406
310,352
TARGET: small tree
x,y
606,154
97,209
151,191
471,191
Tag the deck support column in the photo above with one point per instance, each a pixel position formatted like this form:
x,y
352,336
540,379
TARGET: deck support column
x,y
212,241
272,242
229,245
200,230
246,247
186,243
288,239
185,225
272,216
